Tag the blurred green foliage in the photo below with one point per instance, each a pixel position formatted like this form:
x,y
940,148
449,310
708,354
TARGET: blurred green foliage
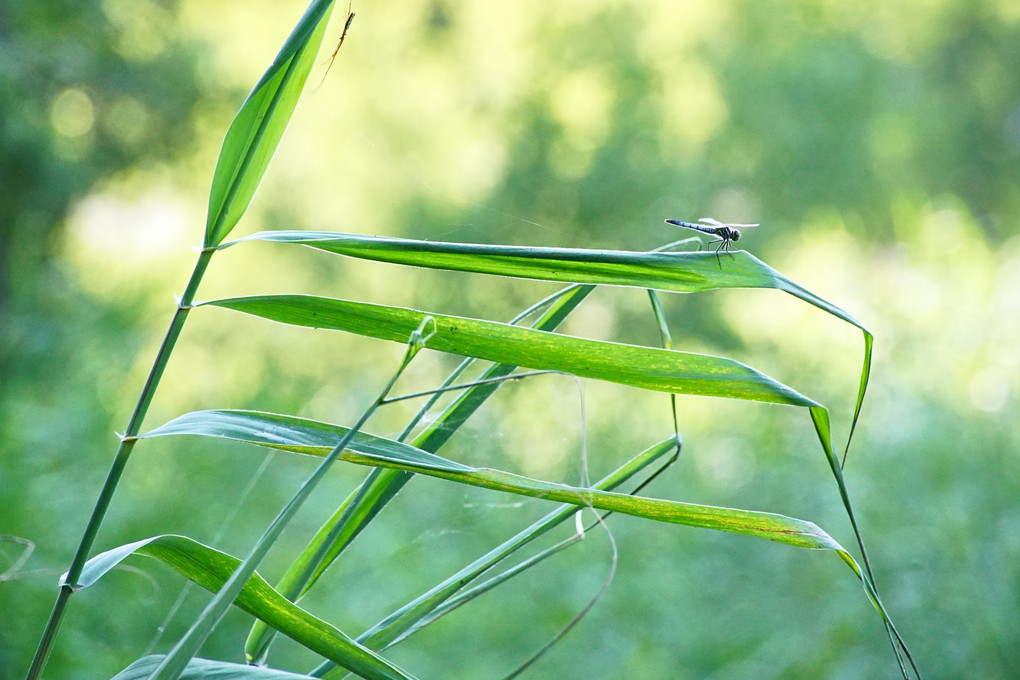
x,y
877,143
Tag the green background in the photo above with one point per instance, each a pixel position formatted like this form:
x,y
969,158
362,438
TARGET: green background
x,y
878,143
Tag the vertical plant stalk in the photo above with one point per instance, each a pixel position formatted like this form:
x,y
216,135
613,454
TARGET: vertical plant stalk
x,y
69,584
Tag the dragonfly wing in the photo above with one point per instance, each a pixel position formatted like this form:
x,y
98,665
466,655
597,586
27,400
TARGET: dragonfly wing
x,y
711,222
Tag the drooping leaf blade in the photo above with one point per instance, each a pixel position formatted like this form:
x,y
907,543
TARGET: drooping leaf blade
x,y
264,429
256,130
643,367
211,568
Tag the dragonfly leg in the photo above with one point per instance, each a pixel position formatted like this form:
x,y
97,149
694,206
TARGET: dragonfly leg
x,y
722,243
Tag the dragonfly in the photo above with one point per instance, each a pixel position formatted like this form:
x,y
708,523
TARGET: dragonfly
x,y
727,233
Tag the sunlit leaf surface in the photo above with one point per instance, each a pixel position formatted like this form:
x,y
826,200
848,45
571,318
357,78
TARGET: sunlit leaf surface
x,y
644,367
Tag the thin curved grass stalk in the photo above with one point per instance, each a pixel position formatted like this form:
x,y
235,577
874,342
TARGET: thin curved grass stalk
x,y
584,611
513,377
667,342
479,589
27,548
469,594
465,596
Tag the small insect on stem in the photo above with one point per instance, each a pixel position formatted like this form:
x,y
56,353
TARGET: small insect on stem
x,y
727,233
340,42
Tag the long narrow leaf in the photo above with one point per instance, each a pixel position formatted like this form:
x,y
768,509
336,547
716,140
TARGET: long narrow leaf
x,y
265,429
259,125
211,568
205,669
687,272
290,433
644,367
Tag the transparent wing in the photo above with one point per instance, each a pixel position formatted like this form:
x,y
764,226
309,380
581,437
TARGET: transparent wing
x,y
716,223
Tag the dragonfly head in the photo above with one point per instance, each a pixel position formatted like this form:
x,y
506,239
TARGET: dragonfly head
x,y
734,234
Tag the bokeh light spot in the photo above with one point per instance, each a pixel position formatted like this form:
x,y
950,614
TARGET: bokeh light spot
x,y
72,113
989,390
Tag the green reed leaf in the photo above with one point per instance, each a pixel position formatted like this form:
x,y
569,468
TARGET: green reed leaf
x,y
644,367
211,568
253,136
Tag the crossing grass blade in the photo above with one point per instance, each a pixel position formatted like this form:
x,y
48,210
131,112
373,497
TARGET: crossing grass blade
x,y
187,647
211,569
300,435
643,367
272,430
415,614
648,368
204,669
686,272
381,485
253,136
